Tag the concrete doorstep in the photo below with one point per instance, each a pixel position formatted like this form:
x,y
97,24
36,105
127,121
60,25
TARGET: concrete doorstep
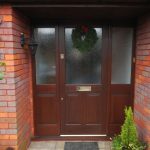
x,y
59,145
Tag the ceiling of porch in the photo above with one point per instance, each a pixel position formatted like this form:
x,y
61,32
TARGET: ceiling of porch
x,y
82,12
44,10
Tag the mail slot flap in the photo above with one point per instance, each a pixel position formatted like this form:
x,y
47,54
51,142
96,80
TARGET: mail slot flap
x,y
83,88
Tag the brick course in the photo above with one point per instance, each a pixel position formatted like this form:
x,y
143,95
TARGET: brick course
x,y
142,78
16,123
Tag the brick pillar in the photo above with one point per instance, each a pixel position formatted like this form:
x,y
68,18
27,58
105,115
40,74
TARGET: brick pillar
x,y
15,88
142,82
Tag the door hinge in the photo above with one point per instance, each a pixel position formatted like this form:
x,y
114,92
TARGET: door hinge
x,y
62,56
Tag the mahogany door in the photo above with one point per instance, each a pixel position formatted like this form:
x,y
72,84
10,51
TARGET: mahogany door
x,y
70,85
83,85
82,92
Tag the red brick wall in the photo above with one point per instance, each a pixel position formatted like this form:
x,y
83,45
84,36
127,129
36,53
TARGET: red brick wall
x,y
15,88
142,82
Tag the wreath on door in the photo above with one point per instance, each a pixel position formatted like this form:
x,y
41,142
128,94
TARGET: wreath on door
x,y
84,38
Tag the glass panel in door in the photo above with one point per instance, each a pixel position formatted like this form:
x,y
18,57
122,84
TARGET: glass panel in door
x,y
83,67
45,56
122,39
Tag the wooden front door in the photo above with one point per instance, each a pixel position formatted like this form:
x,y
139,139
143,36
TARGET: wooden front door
x,y
71,86
83,84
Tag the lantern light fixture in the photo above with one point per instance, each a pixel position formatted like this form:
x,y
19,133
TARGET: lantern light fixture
x,y
32,44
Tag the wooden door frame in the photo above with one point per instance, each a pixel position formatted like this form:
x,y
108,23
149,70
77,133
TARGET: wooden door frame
x,y
109,58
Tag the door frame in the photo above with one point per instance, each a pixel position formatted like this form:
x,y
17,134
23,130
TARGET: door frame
x,y
107,43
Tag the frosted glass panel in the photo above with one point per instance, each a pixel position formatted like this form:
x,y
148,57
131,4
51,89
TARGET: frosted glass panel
x,y
83,67
121,55
45,56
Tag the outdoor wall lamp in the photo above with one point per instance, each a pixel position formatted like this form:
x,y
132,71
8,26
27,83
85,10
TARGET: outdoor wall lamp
x,y
30,42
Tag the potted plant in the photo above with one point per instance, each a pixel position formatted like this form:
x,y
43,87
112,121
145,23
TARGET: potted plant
x,y
128,138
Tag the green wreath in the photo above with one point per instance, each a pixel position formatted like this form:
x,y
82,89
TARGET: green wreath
x,y
84,38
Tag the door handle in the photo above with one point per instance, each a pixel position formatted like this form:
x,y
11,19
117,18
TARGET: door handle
x,y
61,98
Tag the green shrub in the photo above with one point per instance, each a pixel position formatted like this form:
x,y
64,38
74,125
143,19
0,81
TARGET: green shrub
x,y
1,72
128,139
116,145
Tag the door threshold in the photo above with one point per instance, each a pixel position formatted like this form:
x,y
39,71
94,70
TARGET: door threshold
x,y
79,135
97,137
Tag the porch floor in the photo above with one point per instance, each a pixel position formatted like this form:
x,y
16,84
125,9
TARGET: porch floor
x,y
59,145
